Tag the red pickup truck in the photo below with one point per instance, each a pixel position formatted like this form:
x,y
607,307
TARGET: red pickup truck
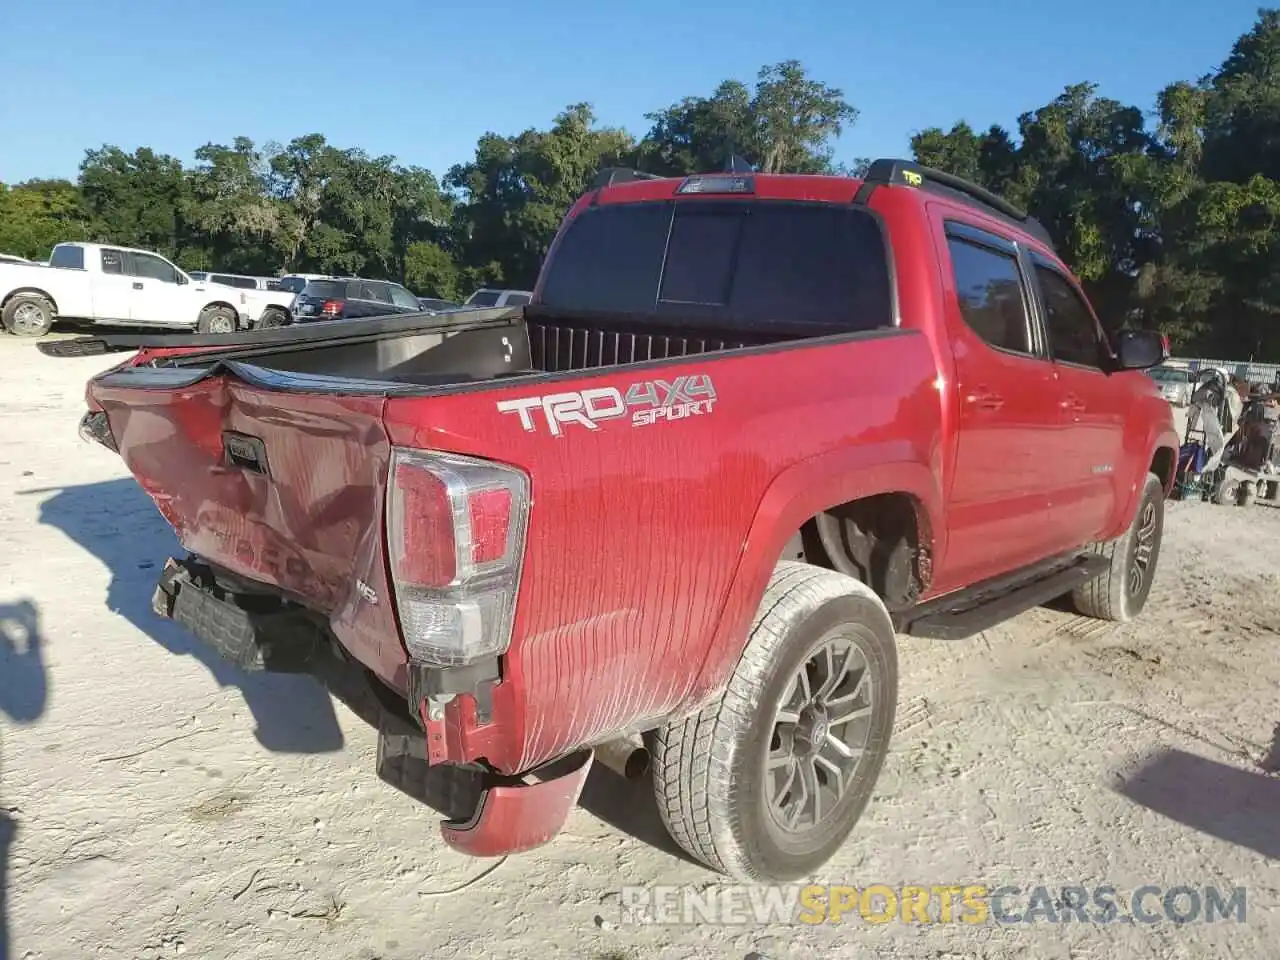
x,y
750,428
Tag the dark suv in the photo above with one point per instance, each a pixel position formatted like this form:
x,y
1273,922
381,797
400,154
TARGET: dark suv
x,y
350,298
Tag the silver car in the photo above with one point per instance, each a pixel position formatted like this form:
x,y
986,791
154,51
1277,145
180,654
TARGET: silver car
x,y
1174,383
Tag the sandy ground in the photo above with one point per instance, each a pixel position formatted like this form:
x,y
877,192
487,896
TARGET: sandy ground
x,y
154,802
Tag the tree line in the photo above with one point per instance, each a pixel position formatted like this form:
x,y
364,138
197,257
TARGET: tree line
x,y
1170,218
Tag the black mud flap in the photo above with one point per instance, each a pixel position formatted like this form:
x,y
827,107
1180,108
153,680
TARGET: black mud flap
x,y
275,638
452,790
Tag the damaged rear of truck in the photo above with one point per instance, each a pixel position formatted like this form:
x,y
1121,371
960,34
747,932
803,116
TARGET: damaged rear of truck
x,y
537,531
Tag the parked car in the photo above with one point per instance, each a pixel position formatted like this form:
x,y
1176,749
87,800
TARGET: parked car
x,y
498,298
434,305
101,283
351,298
1174,383
682,493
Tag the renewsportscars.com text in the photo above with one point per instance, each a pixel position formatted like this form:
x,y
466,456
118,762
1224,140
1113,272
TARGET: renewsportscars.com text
x,y
934,903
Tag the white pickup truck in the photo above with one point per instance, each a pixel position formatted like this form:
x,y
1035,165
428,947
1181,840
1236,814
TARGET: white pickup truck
x,y
99,283
263,301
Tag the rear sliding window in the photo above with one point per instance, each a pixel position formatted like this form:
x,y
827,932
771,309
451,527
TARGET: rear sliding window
x,y
69,258
752,263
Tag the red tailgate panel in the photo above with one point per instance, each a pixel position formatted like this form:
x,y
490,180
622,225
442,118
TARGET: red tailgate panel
x,y
311,526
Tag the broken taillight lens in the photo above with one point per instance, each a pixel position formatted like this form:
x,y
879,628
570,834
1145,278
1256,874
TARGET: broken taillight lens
x,y
455,538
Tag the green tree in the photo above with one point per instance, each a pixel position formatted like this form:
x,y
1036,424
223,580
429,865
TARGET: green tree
x,y
39,213
236,223
136,199
516,190
785,125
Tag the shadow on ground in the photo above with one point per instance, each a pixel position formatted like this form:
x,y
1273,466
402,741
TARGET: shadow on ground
x,y
23,686
24,693
117,523
1216,799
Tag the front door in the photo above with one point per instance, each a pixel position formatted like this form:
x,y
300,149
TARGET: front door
x,y
998,505
158,299
1091,412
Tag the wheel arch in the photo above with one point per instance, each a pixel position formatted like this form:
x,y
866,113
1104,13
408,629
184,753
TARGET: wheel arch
x,y
1159,455
1164,464
29,290
221,303
882,474
214,304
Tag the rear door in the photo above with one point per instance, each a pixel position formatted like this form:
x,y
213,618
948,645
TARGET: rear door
x,y
403,300
112,286
367,298
998,512
1091,408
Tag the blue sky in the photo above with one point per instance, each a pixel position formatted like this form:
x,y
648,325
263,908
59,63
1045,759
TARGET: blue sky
x,y
423,80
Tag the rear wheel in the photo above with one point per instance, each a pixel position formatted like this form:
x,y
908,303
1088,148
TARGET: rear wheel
x,y
217,320
1121,592
768,782
27,315
272,317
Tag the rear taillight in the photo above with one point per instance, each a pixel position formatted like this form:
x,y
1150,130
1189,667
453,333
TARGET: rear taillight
x,y
455,539
331,308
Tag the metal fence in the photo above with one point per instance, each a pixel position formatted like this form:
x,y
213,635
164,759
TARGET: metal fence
x,y
1254,372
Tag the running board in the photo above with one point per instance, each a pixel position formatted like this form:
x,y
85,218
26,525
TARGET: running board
x,y
979,608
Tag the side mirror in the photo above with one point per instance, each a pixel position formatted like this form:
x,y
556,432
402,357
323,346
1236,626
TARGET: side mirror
x,y
1141,349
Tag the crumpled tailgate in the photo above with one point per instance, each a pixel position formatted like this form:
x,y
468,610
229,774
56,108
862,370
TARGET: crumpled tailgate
x,y
286,489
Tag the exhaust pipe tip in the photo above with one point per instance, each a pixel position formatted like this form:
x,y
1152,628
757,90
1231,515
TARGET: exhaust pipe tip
x,y
628,757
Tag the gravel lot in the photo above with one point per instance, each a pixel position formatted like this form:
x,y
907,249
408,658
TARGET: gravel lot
x,y
154,802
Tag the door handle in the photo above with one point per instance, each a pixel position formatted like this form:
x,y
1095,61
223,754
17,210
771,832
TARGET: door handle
x,y
1072,405
985,401
137,286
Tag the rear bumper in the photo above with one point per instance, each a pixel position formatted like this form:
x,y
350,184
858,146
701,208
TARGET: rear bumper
x,y
513,818
506,814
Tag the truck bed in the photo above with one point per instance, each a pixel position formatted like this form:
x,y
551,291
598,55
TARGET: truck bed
x,y
442,350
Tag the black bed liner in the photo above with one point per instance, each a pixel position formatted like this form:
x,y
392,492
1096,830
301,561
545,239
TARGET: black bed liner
x,y
300,334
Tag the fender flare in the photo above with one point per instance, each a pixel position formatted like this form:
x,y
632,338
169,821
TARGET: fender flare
x,y
19,291
1157,439
794,496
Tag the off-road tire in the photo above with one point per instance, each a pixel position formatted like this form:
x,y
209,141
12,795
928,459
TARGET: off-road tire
x,y
709,769
1111,595
28,304
209,320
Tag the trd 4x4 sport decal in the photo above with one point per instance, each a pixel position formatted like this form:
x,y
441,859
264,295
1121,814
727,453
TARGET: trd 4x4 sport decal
x,y
647,402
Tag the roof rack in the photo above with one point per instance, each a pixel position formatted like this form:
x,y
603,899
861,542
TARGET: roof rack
x,y
611,175
912,174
